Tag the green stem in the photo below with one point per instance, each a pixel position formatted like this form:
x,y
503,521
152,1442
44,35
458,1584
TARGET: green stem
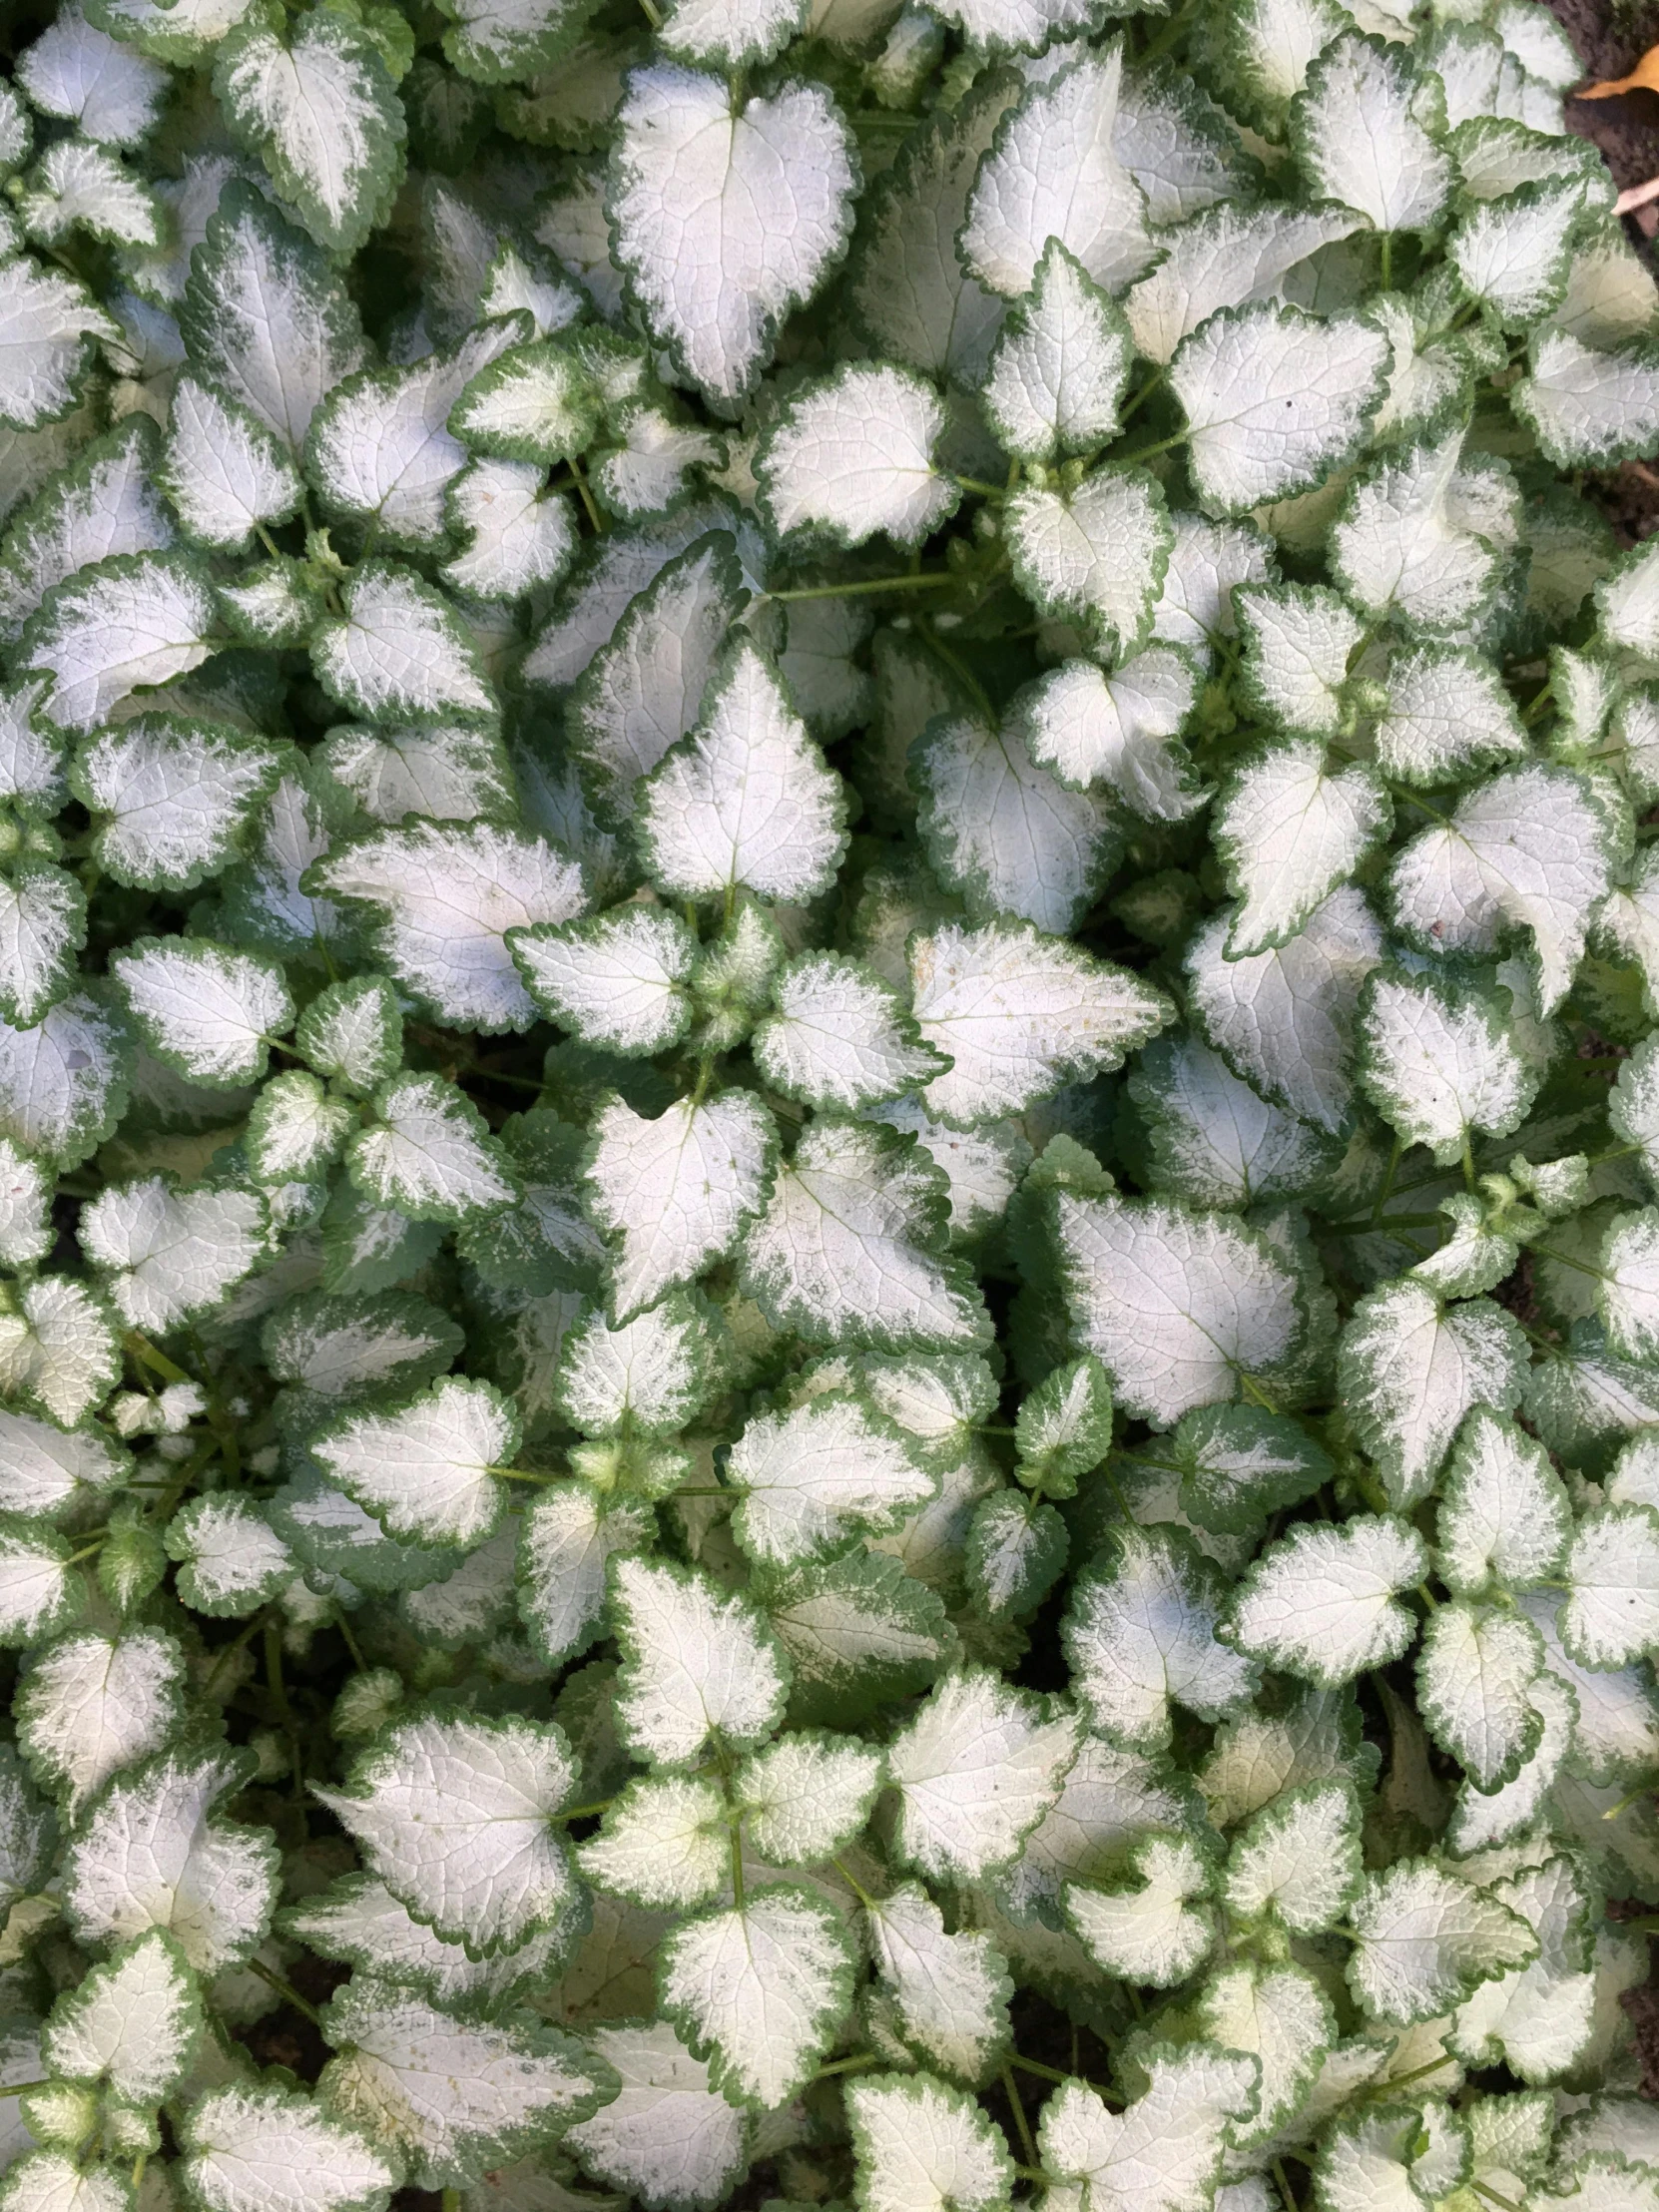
x,y
1387,1190
1384,1227
985,491
586,1811
1053,2074
1136,398
848,2065
855,1885
1428,1597
1388,269
959,669
923,580
1410,796
522,1475
587,498
1022,2126
1255,1394
1505,2204
1418,2074
1566,1260
280,1698
286,1990
273,1673
1646,1790
245,1636
1278,2174
351,1644
138,1346
1033,2066
165,1505
1146,452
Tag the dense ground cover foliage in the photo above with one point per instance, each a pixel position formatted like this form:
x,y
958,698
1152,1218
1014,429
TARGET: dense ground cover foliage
x,y
827,934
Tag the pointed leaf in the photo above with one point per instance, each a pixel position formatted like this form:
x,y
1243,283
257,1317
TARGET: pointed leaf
x,y
1427,1939
1018,1014
925,2147
849,1246
1274,400
690,178
132,621
677,1192
1089,728
695,1662
746,798
130,2023
1299,1860
1162,2152
1139,1635
424,1469
1362,128
1061,364
268,2149
266,317
321,111
1096,557
454,2097
455,1816
975,1771
853,455
760,1987
168,1255
1323,1602
152,1854
812,1477
1178,1305
171,796
1287,833
207,1011
1144,1929
1055,172
401,650
443,899
1008,836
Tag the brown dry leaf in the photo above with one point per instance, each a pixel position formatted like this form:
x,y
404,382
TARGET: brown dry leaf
x,y
1643,78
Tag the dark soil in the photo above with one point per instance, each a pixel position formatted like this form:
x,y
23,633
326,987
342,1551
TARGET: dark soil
x,y
1610,40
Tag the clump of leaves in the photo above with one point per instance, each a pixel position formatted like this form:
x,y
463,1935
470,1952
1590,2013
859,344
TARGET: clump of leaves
x,y
828,1111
